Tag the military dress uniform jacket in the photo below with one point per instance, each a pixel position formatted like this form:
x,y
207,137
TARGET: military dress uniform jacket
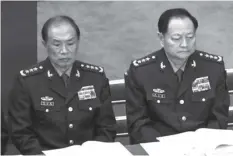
x,y
158,105
46,115
4,133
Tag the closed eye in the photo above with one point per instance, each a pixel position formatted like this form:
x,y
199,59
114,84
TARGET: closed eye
x,y
56,44
71,43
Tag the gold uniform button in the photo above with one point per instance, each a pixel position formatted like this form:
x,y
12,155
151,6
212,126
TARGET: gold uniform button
x,y
203,99
184,118
71,125
158,101
181,102
47,110
70,109
90,108
71,142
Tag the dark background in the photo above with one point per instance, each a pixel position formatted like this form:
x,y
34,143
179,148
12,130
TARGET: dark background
x,y
18,42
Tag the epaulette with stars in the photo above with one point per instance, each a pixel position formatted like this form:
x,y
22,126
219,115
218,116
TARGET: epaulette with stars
x,y
92,68
211,57
144,60
31,71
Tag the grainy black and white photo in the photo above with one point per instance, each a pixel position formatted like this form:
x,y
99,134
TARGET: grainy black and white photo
x,y
151,78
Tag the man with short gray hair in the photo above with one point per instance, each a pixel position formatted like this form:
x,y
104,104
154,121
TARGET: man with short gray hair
x,y
176,88
60,101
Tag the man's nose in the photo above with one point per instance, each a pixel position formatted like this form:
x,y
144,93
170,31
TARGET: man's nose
x,y
64,49
184,42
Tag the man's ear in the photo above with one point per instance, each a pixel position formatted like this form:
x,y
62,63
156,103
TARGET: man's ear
x,y
161,38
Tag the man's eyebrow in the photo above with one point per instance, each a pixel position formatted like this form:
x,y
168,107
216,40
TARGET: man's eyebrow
x,y
58,40
71,39
176,34
55,40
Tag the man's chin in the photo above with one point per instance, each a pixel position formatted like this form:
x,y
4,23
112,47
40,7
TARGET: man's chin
x,y
183,57
64,65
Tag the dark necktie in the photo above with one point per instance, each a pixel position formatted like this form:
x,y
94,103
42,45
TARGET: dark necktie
x,y
179,74
65,78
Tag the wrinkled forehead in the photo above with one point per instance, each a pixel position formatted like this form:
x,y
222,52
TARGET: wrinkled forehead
x,y
180,25
61,31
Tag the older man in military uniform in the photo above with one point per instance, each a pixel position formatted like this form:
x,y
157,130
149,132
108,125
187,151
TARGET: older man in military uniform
x,y
176,88
60,101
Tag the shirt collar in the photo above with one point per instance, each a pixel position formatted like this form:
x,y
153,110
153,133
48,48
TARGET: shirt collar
x,y
67,72
174,67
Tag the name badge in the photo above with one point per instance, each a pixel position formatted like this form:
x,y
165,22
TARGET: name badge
x,y
87,92
158,93
201,84
47,101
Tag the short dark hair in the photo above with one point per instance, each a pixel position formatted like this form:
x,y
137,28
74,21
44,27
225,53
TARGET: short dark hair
x,y
58,19
171,13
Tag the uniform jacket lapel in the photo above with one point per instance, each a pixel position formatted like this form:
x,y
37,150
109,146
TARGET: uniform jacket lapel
x,y
167,71
75,81
55,82
189,75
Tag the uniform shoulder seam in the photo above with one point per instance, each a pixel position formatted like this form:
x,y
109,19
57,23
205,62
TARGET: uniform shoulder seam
x,y
33,70
210,57
148,59
91,68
